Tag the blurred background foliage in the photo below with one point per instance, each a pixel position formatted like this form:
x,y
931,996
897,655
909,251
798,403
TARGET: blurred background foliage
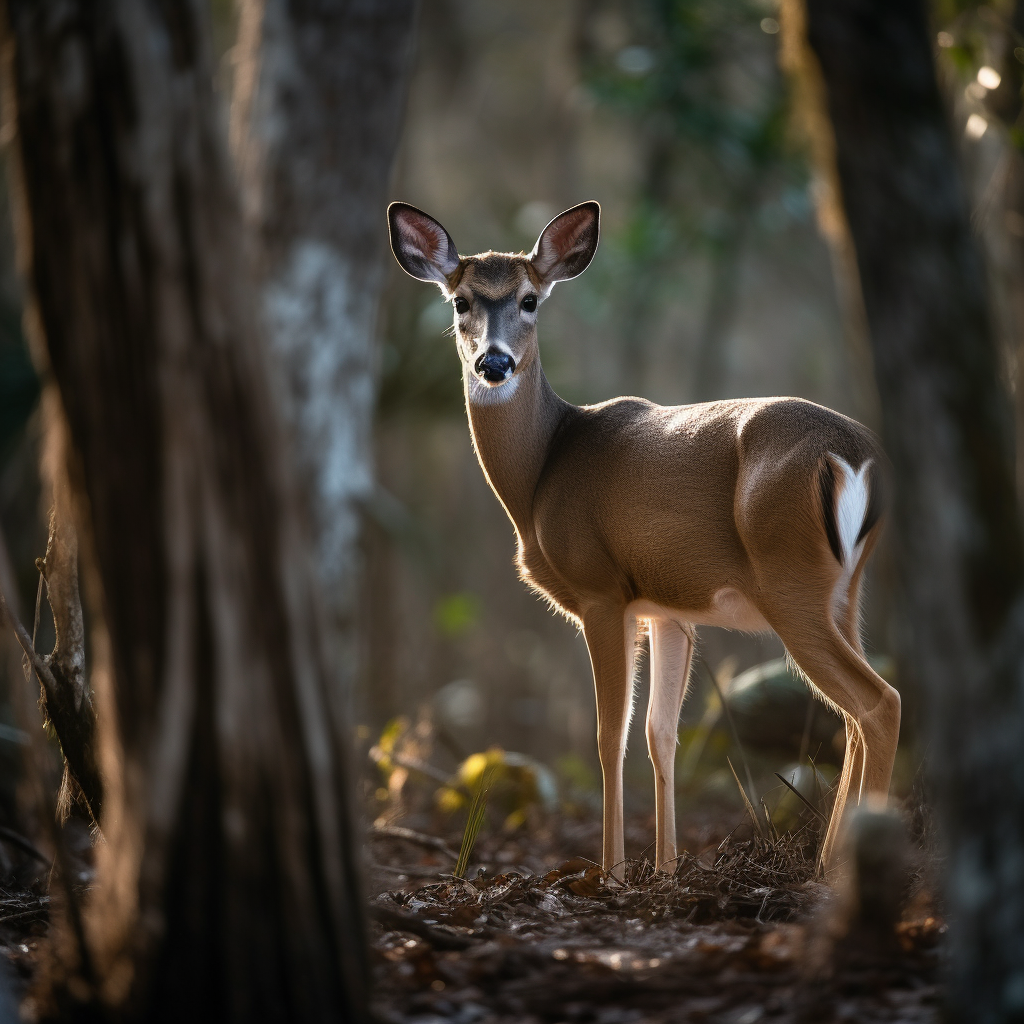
x,y
712,280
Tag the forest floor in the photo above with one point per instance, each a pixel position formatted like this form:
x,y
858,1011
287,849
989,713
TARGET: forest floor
x,y
743,931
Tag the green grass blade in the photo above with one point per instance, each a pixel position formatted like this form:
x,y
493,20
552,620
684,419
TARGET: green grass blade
x,y
474,822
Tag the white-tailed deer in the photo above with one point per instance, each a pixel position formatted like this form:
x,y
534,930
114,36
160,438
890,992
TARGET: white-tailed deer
x,y
753,514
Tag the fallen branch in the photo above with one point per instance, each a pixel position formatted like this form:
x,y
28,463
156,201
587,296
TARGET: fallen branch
x,y
410,872
419,838
400,921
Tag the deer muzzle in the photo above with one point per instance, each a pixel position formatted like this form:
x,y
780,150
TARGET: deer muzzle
x,y
495,367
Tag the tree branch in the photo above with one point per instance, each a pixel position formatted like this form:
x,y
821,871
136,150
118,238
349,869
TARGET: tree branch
x,y
9,606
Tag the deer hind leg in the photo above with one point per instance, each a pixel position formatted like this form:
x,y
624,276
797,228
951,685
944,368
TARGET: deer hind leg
x,y
870,707
611,637
671,652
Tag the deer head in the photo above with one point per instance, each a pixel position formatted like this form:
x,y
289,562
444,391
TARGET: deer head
x,y
495,295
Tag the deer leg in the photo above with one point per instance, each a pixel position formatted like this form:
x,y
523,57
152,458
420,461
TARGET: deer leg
x,y
610,640
869,704
671,651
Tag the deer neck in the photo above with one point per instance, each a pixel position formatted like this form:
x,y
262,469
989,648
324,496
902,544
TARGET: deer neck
x,y
512,436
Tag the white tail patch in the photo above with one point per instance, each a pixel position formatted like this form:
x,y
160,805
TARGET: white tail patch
x,y
853,495
851,507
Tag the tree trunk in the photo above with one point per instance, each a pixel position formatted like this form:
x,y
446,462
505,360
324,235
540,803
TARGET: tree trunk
x,y
948,428
68,702
226,888
319,94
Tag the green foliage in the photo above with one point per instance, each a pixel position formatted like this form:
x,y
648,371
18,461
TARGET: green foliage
x,y
972,36
519,783
683,86
456,614
384,750
700,86
710,105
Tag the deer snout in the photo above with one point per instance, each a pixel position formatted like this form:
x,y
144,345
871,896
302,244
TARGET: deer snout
x,y
495,366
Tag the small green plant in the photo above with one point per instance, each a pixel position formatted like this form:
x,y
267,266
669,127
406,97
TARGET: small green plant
x,y
475,821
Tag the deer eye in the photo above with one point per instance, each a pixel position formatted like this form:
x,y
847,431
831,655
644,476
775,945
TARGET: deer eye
x,y
529,303
461,305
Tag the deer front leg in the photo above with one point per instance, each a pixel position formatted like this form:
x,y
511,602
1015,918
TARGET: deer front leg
x,y
671,651
610,640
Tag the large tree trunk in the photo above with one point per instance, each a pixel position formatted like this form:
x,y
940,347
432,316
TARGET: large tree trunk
x,y
226,887
319,94
948,428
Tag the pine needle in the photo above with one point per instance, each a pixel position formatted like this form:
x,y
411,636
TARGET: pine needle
x,y
746,800
789,785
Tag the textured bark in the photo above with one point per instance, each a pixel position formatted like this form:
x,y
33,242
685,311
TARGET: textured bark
x,y
319,94
226,888
68,702
948,428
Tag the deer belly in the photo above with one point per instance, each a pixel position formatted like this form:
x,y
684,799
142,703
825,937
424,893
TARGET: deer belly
x,y
728,608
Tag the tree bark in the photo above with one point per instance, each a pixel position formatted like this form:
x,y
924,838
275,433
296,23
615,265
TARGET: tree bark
x,y
319,95
68,703
226,889
948,428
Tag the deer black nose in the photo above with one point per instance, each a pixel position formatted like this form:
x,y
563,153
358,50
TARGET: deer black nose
x,y
495,366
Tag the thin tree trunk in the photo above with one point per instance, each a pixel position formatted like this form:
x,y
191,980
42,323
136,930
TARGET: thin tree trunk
x,y
811,116
226,888
1001,214
948,429
319,95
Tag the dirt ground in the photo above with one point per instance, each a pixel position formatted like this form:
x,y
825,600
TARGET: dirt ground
x,y
743,931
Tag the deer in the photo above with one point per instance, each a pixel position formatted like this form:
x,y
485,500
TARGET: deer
x,y
756,514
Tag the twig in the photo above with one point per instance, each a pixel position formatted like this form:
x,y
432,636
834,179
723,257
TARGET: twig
x,y
399,921
8,606
35,912
16,839
411,872
746,800
735,733
805,739
419,838
789,785
412,763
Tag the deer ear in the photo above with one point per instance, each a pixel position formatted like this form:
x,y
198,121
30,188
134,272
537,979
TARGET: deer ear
x,y
421,245
567,245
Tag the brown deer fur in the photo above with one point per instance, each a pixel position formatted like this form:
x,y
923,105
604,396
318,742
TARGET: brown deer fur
x,y
753,514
